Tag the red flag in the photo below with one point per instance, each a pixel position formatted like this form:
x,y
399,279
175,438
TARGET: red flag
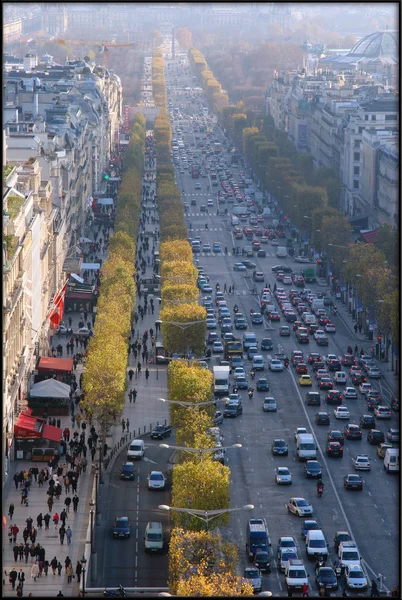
x,y
56,312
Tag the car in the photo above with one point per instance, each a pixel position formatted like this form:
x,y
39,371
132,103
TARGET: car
x,y
341,412
273,315
241,324
211,323
353,432
285,542
374,373
312,469
251,352
382,448
232,409
210,202
325,577
367,422
206,248
309,525
239,371
279,447
206,289
275,365
256,318
393,435
382,412
261,253
335,435
364,388
283,268
249,264
334,397
303,338
362,462
318,333
341,536
253,576
218,418
300,430
283,476
322,418
330,328
375,437
352,481
350,392
262,561
84,332
262,385
258,276
266,344
325,383
203,208
239,267
62,330
301,368
241,382
358,378
237,361
355,578
156,480
161,431
322,341
193,202
334,449
348,360
313,399
269,405
127,471
197,186
217,347
121,528
212,337
299,507
305,380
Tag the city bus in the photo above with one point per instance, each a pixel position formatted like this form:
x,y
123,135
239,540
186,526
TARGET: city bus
x,y
195,172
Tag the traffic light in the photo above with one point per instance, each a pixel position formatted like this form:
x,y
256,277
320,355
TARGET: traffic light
x,y
379,339
106,176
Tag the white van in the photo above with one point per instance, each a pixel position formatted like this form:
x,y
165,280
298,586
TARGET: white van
x,y
235,220
308,318
281,252
316,544
348,554
305,446
153,537
136,450
391,460
340,377
295,574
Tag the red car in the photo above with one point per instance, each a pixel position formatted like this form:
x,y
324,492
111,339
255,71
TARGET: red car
x,y
326,383
313,357
301,368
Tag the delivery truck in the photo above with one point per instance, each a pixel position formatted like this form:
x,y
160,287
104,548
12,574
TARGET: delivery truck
x,y
221,380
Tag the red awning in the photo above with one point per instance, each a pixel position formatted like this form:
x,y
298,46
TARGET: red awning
x,y
79,296
28,427
369,236
49,364
52,433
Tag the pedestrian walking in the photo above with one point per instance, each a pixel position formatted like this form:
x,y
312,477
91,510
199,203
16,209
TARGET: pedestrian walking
x,y
355,327
34,571
39,521
13,577
62,533
15,552
78,571
139,367
356,350
75,502
69,534
11,511
69,573
21,578
134,395
305,589
67,503
374,593
130,374
21,551
56,519
26,552
47,518
53,564
146,373
128,424
59,567
123,425
14,531
63,517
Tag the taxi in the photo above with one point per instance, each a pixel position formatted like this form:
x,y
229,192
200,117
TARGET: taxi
x,y
305,380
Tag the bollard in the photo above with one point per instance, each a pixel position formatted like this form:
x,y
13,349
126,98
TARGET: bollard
x,y
157,374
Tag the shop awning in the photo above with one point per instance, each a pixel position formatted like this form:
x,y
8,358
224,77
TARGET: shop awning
x,y
369,236
52,433
90,266
50,388
105,201
79,295
48,364
28,427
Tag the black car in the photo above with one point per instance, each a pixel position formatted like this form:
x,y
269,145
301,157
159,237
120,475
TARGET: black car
x,y
375,437
335,436
353,481
232,409
341,536
266,344
261,254
334,397
313,399
127,471
262,561
262,385
312,469
161,431
334,449
322,341
353,432
326,578
283,268
121,528
279,448
318,364
348,360
193,202
303,338
322,418
367,422
249,264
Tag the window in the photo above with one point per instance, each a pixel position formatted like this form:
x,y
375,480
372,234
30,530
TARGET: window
x,y
355,185
366,117
356,171
360,129
390,117
373,117
357,143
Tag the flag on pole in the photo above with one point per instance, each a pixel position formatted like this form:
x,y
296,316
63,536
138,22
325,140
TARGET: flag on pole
x,y
55,313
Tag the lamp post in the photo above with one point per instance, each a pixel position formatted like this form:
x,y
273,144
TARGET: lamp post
x,y
358,310
84,570
199,451
91,513
386,340
205,515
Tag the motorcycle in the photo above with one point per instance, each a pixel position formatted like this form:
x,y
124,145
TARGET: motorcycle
x,y
119,592
226,250
286,363
320,490
334,310
252,374
250,393
235,309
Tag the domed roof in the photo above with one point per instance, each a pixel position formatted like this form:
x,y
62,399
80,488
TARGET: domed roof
x,y
380,43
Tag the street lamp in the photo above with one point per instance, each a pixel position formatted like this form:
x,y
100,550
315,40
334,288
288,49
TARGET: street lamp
x,y
91,512
199,451
205,515
84,569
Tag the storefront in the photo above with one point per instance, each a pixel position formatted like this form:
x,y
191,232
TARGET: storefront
x,y
34,440
49,397
80,296
48,367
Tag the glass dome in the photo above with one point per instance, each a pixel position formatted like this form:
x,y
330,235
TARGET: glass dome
x,y
377,44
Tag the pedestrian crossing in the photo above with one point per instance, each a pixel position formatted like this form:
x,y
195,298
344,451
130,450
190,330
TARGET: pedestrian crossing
x,y
239,256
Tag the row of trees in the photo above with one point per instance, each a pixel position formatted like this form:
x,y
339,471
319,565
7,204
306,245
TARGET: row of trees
x,y
216,97
200,562
310,199
104,381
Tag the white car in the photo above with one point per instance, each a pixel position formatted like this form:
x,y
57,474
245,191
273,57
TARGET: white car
x,y
253,576
211,324
382,412
349,392
299,507
283,476
374,373
300,430
362,462
239,267
364,388
355,578
239,371
319,334
341,412
285,542
275,365
287,280
330,357
156,480
84,331
217,347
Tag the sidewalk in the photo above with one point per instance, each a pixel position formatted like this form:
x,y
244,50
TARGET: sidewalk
x,y
143,414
